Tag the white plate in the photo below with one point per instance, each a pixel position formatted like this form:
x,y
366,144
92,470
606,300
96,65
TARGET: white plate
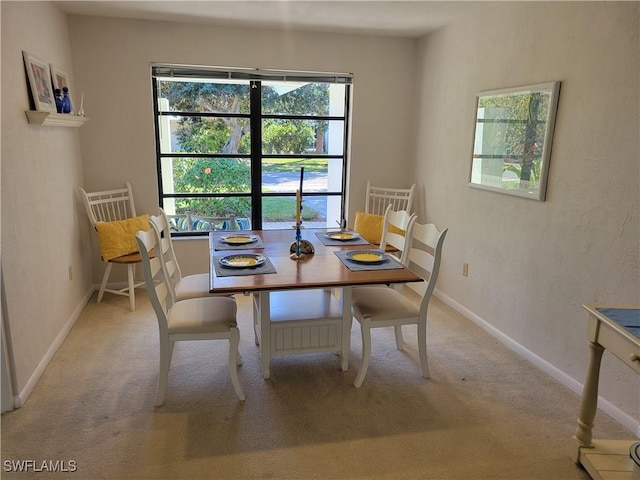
x,y
238,239
247,260
366,256
342,236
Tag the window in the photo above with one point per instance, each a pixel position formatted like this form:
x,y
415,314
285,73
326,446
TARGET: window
x,y
231,145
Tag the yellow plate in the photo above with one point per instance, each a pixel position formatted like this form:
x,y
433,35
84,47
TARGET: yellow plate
x,y
366,256
342,236
242,261
238,239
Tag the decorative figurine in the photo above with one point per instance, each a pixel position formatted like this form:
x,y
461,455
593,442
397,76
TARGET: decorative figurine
x,y
66,101
58,95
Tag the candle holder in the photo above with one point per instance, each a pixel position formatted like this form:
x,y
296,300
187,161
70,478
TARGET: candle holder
x,y
301,247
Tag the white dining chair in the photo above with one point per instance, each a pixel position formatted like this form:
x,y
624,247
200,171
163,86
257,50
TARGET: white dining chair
x,y
206,318
379,198
397,226
114,206
182,287
382,306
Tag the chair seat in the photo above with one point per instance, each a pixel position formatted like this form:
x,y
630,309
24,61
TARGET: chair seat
x,y
131,258
193,286
381,303
126,259
202,315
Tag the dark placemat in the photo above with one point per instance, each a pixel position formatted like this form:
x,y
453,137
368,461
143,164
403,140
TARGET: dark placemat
x,y
340,243
629,318
220,245
266,267
388,264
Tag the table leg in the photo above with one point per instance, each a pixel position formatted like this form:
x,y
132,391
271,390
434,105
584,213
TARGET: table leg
x,y
265,332
589,400
347,318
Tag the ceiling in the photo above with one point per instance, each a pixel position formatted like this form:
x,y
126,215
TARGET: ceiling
x,y
412,18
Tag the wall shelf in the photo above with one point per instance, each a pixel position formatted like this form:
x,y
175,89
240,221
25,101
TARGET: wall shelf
x,y
55,119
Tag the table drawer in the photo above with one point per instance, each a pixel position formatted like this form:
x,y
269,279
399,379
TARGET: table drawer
x,y
622,347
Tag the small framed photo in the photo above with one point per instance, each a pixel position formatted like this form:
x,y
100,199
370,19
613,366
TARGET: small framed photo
x,y
60,79
39,83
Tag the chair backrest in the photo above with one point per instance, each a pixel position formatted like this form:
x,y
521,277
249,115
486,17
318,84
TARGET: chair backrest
x,y
155,279
424,254
391,236
109,205
379,198
162,229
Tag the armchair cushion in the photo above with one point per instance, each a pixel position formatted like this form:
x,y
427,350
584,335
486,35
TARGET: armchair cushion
x,y
369,226
118,238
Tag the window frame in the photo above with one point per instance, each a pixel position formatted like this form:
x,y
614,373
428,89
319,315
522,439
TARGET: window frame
x,y
256,117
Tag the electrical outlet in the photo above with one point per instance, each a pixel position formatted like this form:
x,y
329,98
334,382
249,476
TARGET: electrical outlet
x,y
70,273
465,269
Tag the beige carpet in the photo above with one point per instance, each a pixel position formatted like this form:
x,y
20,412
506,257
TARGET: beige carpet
x,y
485,413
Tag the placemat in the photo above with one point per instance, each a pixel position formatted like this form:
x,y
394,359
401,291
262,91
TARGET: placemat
x,y
388,264
334,243
220,245
628,318
266,267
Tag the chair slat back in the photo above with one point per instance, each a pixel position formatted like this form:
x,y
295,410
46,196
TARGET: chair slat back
x,y
424,256
379,198
162,230
155,279
401,220
109,205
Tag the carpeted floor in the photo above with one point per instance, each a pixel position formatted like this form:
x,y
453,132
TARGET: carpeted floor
x,y
485,413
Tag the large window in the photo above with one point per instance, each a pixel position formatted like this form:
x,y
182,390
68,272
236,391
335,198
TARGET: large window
x,y
231,145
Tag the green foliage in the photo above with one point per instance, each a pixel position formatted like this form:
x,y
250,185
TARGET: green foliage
x,y
287,136
212,175
230,135
283,209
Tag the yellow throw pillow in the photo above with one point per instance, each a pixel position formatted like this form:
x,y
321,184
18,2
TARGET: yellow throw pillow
x,y
369,226
118,238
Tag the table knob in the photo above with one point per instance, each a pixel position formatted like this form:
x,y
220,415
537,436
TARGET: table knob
x,y
634,357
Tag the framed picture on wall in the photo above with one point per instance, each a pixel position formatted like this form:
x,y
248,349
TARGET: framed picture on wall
x,y
512,139
39,84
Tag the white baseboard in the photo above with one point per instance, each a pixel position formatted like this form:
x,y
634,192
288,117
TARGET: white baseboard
x,y
614,412
19,399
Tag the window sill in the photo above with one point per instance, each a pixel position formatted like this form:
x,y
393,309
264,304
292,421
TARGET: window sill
x,y
54,119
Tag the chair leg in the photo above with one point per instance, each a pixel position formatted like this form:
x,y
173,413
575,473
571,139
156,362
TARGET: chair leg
x,y
399,340
105,278
234,358
132,286
366,354
422,348
166,348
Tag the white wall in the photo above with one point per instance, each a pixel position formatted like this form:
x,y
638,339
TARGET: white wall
x,y
533,264
113,56
41,230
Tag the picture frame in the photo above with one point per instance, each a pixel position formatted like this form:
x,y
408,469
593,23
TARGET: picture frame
x,y
512,139
39,82
60,79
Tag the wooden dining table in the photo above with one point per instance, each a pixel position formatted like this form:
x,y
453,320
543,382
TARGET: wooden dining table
x,y
305,306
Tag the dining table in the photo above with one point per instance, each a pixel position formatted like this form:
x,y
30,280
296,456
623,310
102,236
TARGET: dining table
x,y
300,305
